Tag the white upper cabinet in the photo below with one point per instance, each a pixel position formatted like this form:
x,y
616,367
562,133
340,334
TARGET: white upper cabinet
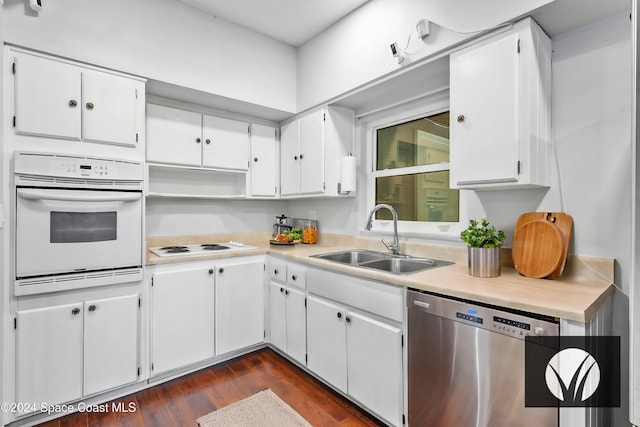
x,y
226,143
500,111
57,99
187,138
310,151
173,136
263,169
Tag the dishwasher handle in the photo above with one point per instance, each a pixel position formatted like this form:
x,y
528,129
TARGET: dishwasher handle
x,y
422,304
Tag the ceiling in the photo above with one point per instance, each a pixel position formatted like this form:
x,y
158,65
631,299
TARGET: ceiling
x,y
290,21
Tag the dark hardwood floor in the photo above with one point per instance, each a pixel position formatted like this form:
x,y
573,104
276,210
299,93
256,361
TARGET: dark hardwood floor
x,y
181,401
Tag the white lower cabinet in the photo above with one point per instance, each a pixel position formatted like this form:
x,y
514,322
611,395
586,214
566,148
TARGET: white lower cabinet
x,y
68,351
239,306
357,351
182,323
288,311
204,309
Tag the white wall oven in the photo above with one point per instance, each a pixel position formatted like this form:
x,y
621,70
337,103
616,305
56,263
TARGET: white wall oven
x,y
78,222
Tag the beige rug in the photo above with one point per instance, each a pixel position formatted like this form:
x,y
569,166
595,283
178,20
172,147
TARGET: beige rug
x,y
263,409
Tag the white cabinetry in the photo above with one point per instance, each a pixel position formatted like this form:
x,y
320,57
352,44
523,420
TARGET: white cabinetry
x,y
68,351
263,169
500,111
288,309
62,100
182,323
356,344
204,309
176,136
239,306
310,151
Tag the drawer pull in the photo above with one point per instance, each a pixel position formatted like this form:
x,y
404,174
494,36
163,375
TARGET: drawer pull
x,y
422,304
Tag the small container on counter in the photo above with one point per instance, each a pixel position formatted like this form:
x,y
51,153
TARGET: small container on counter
x,y
309,231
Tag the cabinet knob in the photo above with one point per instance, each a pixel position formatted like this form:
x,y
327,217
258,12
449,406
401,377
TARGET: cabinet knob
x,y
275,271
89,105
281,289
300,156
286,292
75,311
294,277
460,118
73,103
211,271
339,315
221,270
208,141
92,307
295,157
255,159
198,140
347,319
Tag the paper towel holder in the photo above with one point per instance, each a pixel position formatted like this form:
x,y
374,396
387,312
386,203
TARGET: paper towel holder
x,y
339,185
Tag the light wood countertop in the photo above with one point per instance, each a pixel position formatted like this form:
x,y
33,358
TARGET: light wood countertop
x,y
585,284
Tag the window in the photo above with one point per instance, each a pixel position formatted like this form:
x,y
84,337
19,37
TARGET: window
x,y
411,171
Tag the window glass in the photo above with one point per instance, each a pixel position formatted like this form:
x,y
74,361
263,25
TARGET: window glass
x,y
412,171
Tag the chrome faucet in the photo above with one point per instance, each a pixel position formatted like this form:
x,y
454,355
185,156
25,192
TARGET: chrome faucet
x,y
394,247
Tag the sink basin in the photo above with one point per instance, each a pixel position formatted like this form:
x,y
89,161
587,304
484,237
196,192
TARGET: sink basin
x,y
353,257
395,264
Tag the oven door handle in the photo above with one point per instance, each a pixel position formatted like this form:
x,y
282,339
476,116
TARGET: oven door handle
x,y
40,195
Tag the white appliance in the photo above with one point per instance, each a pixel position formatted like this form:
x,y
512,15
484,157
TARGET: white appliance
x,y
78,221
204,248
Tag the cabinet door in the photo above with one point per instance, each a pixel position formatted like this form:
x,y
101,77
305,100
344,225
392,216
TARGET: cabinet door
x,y
49,354
296,324
263,169
110,343
110,108
182,323
239,306
47,97
484,141
327,341
374,352
312,153
290,159
173,136
226,143
278,316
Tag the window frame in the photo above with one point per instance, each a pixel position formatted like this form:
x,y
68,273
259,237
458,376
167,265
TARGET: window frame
x,y
391,117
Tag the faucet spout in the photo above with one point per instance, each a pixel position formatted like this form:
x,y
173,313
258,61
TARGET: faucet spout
x,y
393,248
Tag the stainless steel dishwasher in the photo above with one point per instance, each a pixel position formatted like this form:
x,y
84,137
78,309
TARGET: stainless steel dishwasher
x,y
466,364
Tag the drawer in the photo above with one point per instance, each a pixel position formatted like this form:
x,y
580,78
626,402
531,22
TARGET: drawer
x,y
278,271
296,276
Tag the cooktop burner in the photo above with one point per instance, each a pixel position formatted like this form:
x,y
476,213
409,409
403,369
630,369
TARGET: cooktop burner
x,y
213,247
177,250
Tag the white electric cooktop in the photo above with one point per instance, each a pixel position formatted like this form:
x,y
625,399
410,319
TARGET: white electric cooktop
x,y
178,250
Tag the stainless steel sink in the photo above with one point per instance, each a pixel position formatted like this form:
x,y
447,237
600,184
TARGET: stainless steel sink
x,y
395,264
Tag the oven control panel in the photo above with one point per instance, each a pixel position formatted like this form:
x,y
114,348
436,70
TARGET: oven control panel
x,y
81,168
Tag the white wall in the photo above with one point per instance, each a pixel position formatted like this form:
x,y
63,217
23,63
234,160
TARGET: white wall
x,y
355,51
167,217
165,40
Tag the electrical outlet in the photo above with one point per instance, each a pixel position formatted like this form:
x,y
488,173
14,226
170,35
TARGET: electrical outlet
x,y
312,214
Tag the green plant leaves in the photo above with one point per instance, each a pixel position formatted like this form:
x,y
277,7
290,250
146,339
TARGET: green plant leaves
x,y
481,234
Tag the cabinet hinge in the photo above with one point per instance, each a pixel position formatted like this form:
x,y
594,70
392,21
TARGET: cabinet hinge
x,y
14,121
403,420
152,281
136,137
264,267
139,370
402,340
139,302
153,366
249,129
324,186
264,334
136,93
305,301
13,68
15,323
518,45
306,357
518,166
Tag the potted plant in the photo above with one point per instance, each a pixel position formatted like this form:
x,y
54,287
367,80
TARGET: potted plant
x,y
484,242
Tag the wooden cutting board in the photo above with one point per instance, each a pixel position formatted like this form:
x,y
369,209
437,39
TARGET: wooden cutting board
x,y
538,245
564,222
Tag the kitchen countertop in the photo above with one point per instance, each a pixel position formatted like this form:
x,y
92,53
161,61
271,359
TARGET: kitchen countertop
x,y
584,286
